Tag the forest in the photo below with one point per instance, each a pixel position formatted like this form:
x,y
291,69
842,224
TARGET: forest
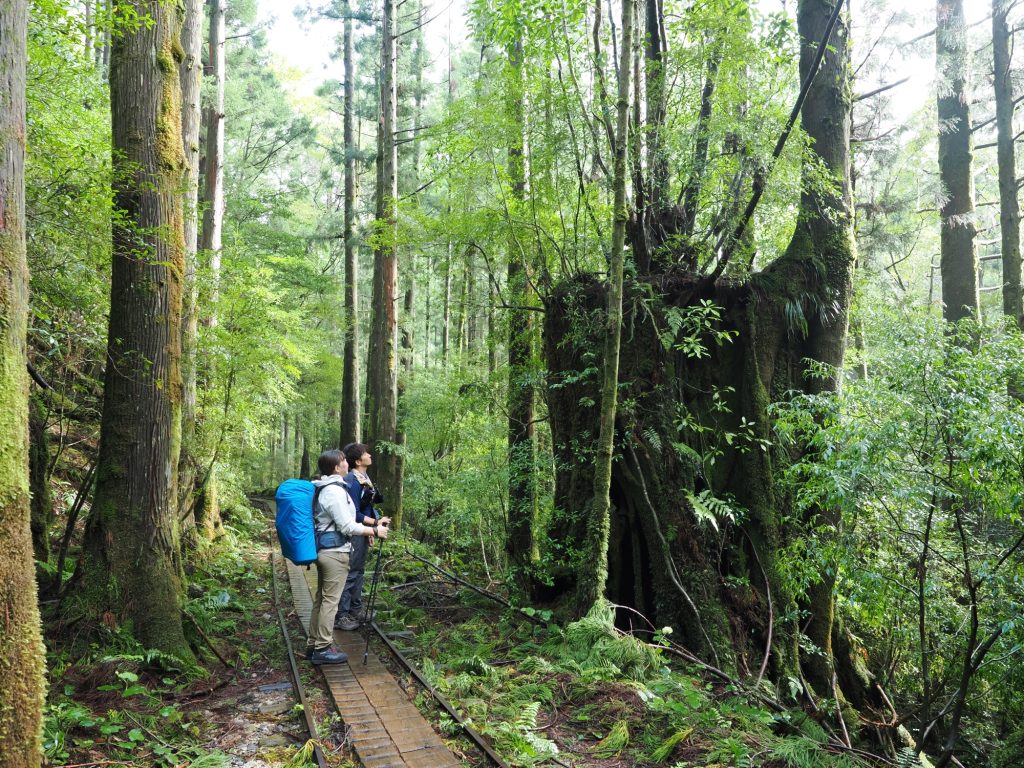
x,y
685,335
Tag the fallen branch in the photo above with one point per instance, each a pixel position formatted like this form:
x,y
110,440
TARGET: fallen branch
x,y
208,641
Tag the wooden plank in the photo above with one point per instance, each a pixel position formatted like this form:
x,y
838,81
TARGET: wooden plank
x,y
387,730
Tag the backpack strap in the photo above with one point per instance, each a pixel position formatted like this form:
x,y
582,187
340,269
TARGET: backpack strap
x,y
316,497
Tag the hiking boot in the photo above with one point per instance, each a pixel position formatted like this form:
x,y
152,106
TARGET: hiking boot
x,y
309,653
329,655
364,615
347,622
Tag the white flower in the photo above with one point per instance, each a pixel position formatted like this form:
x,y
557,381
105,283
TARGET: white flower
x,y
666,630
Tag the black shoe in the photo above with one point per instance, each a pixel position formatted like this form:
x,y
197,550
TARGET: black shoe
x,y
347,623
329,655
309,653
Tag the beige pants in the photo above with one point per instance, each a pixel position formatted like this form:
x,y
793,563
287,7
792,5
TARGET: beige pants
x,y
331,572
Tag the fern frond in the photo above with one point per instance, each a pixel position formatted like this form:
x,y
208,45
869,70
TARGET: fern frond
x,y
613,744
668,746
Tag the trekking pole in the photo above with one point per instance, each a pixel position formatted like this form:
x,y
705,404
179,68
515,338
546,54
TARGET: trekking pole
x,y
373,596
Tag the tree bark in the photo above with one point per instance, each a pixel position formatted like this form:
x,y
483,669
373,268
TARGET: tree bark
x,y
522,470
350,413
42,502
207,503
959,259
213,215
191,118
1009,208
128,567
691,193
594,579
660,559
382,366
22,656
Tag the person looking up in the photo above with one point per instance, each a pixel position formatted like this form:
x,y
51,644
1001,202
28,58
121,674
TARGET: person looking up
x,y
351,612
334,520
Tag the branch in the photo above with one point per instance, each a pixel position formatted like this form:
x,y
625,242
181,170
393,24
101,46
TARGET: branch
x,y
36,376
883,89
728,241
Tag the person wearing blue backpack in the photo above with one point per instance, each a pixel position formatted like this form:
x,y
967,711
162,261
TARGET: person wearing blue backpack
x,y
336,528
351,613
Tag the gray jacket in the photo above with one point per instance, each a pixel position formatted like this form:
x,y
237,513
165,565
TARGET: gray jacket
x,y
335,510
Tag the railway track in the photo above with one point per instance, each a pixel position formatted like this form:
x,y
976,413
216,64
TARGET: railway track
x,y
387,730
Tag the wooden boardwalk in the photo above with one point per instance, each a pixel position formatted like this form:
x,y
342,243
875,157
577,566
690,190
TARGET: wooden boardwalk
x,y
387,730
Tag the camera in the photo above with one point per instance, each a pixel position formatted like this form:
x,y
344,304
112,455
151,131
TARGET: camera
x,y
371,495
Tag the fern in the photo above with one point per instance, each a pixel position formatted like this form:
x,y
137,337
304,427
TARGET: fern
x,y
596,645
709,509
801,752
613,744
516,737
302,758
653,439
668,746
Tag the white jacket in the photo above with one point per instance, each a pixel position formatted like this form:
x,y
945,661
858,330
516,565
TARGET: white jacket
x,y
335,511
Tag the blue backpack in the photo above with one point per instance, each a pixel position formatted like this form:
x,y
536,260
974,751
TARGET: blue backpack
x,y
294,521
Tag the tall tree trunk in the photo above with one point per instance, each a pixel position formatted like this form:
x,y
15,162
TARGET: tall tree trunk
x,y
128,565
208,505
959,256
446,314
522,488
42,502
655,213
473,321
1009,208
191,118
88,29
492,331
825,228
691,193
426,310
407,353
592,582
382,366
213,215
350,413
22,656
103,46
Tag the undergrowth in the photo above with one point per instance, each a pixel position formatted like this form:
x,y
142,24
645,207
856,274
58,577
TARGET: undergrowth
x,y
586,694
111,701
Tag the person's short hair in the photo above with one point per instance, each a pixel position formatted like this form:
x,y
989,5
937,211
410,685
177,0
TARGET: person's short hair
x,y
329,461
354,452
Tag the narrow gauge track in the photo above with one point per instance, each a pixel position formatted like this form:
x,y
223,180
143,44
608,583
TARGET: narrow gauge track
x,y
297,687
342,679
299,690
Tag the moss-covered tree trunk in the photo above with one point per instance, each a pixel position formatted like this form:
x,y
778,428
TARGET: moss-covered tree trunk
x,y
1009,207
22,656
128,567
520,542
206,504
42,502
594,578
959,262
382,363
350,413
191,119
724,591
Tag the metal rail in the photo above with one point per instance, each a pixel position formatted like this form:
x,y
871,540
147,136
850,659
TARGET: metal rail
x,y
478,739
296,680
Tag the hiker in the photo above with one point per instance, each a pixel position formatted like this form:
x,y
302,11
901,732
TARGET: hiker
x,y
336,531
351,613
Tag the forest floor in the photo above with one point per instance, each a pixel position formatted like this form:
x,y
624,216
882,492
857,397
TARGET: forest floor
x,y
581,695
